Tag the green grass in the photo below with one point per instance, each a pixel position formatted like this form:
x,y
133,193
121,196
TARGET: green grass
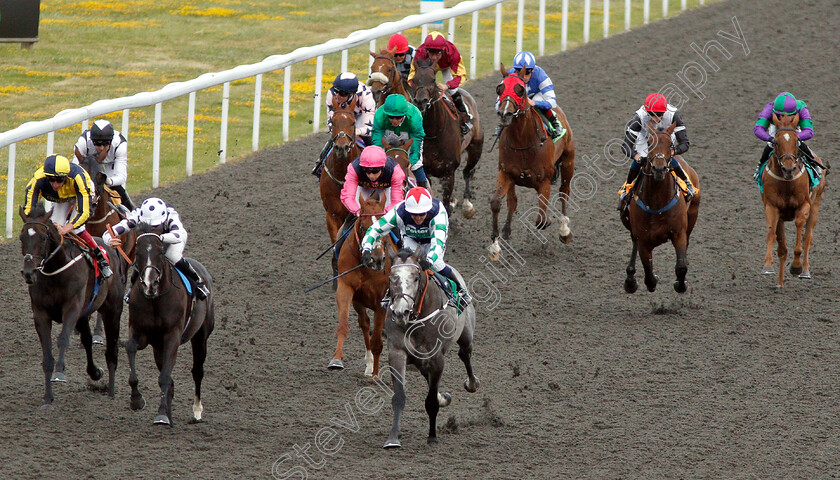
x,y
91,50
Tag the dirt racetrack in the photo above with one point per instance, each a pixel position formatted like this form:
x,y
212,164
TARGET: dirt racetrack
x,y
733,379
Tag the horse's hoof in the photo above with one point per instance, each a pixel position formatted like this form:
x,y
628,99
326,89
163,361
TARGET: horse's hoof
x,y
138,403
767,271
630,286
97,375
47,407
194,420
543,225
98,340
162,420
806,274
59,377
444,399
652,286
795,270
335,364
680,287
392,444
471,386
432,441
566,239
468,208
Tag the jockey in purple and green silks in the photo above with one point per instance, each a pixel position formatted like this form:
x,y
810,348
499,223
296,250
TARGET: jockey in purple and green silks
x,y
784,104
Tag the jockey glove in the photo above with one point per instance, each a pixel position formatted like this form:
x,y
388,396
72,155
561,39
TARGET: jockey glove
x,y
366,259
425,264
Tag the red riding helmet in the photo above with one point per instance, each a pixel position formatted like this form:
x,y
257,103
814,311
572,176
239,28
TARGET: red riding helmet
x,y
435,41
399,42
656,103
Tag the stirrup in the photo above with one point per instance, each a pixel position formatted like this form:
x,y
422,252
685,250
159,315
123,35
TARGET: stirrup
x,y
201,291
105,270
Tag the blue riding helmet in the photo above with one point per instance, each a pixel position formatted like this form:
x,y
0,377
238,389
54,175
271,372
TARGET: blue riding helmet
x,y
524,60
346,82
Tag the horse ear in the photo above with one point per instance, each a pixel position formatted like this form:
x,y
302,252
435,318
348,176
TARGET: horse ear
x,y
670,129
372,54
776,120
503,70
393,50
23,216
407,144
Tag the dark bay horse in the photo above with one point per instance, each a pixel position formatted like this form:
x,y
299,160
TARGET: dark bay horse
x,y
384,77
421,327
345,150
787,198
444,144
62,289
657,213
363,287
162,314
528,158
104,214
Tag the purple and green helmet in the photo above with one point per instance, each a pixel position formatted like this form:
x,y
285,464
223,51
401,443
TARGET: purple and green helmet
x,y
785,104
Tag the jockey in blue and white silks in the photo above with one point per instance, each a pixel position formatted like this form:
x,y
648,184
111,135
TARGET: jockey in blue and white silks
x,y
423,225
538,87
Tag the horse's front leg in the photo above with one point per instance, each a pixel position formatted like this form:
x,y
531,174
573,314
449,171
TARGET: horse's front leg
x,y
165,360
343,299
771,219
646,256
503,186
473,154
630,284
364,325
83,327
131,347
396,361
434,399
43,325
808,236
448,186
68,324
512,202
680,242
799,220
376,341
782,250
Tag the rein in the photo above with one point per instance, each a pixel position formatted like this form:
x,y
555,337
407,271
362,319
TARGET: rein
x,y
154,268
797,158
669,205
519,112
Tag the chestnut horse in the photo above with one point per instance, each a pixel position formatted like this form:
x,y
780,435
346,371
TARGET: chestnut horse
x,y
363,287
786,197
444,144
345,149
528,158
658,212
384,77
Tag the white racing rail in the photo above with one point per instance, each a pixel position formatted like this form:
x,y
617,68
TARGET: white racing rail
x,y
171,91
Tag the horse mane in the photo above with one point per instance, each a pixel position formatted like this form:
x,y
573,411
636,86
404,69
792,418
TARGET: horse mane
x,y
144,228
423,62
404,254
38,210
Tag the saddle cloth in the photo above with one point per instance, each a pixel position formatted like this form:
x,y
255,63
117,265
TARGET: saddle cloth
x,y
628,187
451,290
814,175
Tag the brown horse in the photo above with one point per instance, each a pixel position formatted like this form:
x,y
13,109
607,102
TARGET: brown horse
x,y
345,150
400,153
384,77
105,214
658,213
363,287
786,197
528,158
444,144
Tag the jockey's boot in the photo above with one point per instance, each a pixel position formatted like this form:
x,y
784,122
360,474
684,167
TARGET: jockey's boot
x,y
624,198
466,118
342,235
557,129
681,173
104,268
133,278
764,156
556,175
451,273
810,157
201,290
126,200
321,157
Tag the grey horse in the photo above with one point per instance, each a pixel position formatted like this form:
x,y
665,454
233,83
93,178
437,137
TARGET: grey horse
x,y
421,327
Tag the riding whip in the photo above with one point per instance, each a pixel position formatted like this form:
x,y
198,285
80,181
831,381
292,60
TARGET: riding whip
x,y
119,249
333,278
334,244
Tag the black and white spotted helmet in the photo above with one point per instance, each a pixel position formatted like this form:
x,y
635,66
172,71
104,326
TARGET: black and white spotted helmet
x,y
153,211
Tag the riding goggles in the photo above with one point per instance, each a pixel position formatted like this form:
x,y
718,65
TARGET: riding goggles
x,y
528,71
371,170
433,51
101,143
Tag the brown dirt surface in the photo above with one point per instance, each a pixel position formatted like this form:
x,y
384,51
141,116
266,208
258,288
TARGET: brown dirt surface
x,y
734,379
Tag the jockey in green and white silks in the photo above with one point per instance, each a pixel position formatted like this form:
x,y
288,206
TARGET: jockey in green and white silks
x,y
423,225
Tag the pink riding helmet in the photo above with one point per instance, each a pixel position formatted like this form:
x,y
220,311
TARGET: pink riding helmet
x,y
373,156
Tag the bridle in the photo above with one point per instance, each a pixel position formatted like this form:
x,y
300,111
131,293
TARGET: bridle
x,y
435,95
797,157
392,81
153,268
520,110
44,260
